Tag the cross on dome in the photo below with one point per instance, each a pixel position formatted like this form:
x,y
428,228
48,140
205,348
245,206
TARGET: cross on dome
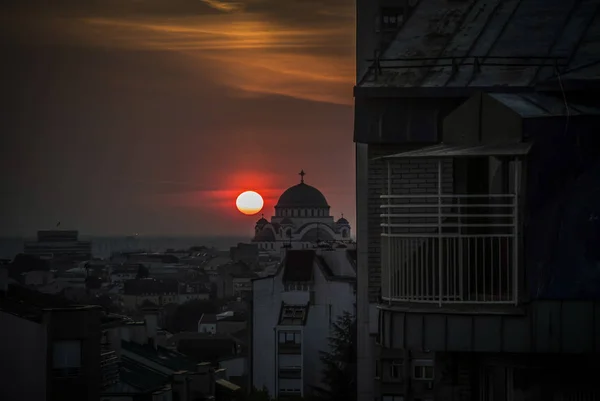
x,y
302,174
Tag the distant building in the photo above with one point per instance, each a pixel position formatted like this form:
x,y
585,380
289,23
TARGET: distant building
x,y
59,244
301,219
247,253
292,314
138,292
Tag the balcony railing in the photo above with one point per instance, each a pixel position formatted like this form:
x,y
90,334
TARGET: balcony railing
x,y
450,248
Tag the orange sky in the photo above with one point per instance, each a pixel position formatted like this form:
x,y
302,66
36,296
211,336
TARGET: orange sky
x,y
150,116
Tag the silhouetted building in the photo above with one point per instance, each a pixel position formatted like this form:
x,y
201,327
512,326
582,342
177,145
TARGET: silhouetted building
x,y
59,244
477,154
50,349
301,219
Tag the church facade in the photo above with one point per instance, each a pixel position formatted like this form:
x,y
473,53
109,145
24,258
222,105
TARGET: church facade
x,y
302,218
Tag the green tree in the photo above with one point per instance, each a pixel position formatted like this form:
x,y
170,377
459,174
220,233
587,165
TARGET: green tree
x,y
186,316
339,363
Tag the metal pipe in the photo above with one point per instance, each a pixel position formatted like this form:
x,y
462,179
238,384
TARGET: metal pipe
x,y
389,238
516,235
439,174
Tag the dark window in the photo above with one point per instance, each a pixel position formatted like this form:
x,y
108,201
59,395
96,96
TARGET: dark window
x,y
391,18
66,358
395,369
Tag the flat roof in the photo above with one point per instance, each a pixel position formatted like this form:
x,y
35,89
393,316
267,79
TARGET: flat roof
x,y
447,150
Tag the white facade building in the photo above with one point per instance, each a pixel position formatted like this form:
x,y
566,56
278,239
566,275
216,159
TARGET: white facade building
x,y
301,219
292,315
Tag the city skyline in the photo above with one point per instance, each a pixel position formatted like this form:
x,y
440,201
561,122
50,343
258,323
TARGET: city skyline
x,y
152,117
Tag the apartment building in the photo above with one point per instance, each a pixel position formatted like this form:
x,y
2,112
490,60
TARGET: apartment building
x,y
50,349
292,313
476,157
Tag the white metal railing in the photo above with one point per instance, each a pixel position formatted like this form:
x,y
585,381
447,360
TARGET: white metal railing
x,y
449,248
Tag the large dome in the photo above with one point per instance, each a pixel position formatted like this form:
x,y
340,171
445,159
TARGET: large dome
x,y
302,196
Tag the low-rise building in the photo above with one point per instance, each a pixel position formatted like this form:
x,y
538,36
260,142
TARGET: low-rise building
x,y
140,292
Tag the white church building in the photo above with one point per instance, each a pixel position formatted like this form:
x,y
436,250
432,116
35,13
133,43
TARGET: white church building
x,y
301,219
293,309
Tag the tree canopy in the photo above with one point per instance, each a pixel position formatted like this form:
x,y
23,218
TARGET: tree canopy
x,y
186,316
339,363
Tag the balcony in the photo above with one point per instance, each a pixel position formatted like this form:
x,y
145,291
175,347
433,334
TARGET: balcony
x,y
450,248
443,247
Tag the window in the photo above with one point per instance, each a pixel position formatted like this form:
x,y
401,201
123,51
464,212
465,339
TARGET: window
x,y
396,368
423,369
66,357
391,18
290,337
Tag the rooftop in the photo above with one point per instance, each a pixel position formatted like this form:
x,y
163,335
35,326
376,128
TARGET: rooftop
x,y
173,360
484,43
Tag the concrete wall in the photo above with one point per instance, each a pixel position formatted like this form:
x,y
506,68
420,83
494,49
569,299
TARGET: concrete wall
x,y
23,346
234,367
568,327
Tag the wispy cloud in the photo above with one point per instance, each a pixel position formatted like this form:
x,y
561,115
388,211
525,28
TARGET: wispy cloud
x,y
255,46
224,6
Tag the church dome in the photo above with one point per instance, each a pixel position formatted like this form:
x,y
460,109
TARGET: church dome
x,y
302,196
262,222
343,222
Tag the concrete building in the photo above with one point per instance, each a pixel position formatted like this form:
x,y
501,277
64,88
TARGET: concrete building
x,y
59,244
301,219
50,349
475,154
292,313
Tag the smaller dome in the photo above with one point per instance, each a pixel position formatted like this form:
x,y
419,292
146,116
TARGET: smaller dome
x,y
287,221
262,222
342,222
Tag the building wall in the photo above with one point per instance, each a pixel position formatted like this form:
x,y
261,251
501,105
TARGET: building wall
x,y
330,300
234,367
23,347
409,177
83,325
265,315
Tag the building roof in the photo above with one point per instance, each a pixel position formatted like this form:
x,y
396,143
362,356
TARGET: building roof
x,y
140,376
448,150
150,286
298,265
227,385
485,43
173,360
536,105
31,304
208,318
302,196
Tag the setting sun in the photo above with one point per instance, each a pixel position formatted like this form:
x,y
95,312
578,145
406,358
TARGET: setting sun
x,y
249,202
